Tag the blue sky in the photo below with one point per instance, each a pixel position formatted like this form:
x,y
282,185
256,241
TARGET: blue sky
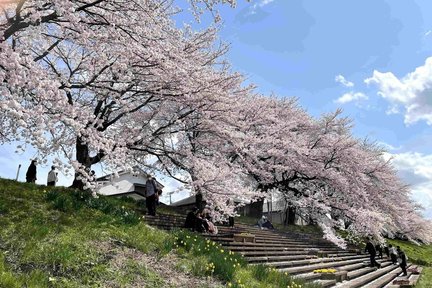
x,y
325,53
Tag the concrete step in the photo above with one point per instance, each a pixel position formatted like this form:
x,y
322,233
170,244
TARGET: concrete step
x,y
413,278
385,279
258,248
325,283
271,253
352,267
261,259
308,276
360,272
282,264
367,278
263,244
310,268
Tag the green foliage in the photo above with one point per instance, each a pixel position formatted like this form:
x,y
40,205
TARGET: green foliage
x,y
418,254
220,262
425,279
68,201
58,237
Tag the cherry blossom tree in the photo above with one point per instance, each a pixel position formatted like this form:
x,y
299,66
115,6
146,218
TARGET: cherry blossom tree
x,y
115,82
90,80
321,169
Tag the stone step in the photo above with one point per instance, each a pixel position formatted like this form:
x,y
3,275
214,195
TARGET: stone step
x,y
367,278
308,276
247,248
271,253
325,283
261,244
351,267
260,259
310,268
360,272
413,278
385,279
282,264
342,254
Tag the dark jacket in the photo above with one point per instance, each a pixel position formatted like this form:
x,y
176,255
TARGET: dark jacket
x,y
190,220
31,173
402,256
370,248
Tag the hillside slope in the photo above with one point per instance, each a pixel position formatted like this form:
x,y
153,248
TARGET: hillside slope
x,y
48,239
56,237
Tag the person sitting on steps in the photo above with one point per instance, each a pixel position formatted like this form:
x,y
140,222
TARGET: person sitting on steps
x,y
265,223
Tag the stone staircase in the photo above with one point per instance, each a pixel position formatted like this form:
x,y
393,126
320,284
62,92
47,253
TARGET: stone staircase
x,y
300,254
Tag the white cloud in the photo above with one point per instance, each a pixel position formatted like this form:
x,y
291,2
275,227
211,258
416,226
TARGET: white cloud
x,y
413,92
389,147
260,4
416,169
351,96
418,164
341,79
393,109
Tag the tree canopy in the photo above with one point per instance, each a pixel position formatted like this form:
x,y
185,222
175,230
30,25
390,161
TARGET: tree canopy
x,y
115,82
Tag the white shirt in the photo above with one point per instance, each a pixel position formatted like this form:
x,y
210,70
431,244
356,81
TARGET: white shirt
x,y
52,176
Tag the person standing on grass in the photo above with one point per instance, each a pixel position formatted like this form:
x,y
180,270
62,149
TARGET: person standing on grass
x,y
151,196
372,252
403,260
52,177
31,172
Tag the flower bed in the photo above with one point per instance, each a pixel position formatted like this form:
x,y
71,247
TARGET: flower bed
x,y
325,271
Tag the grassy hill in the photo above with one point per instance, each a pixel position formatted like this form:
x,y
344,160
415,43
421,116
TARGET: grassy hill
x,y
56,237
421,255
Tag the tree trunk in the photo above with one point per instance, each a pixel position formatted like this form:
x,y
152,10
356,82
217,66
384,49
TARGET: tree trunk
x,y
199,201
83,157
291,215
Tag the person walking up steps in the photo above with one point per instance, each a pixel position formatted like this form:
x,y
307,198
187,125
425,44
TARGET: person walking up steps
x,y
393,254
403,260
372,252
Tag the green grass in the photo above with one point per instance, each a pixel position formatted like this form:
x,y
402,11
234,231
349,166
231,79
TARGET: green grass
x,y
425,279
418,254
57,237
